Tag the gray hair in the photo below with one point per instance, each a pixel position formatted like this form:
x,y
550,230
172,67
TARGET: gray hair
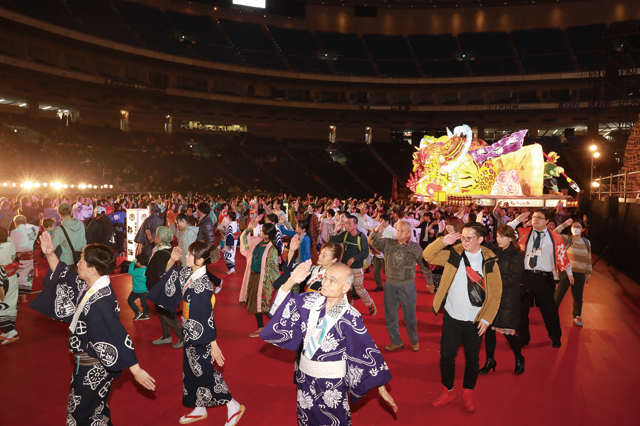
x,y
165,234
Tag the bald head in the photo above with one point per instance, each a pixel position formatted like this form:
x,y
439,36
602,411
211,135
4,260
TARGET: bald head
x,y
403,231
337,281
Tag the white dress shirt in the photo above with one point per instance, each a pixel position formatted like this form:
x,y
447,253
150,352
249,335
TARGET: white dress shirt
x,y
458,305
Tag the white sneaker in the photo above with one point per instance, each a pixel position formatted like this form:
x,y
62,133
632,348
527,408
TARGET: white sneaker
x,y
578,321
231,271
218,288
137,316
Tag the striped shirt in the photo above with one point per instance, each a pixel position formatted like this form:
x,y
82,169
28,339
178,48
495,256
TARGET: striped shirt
x,y
579,256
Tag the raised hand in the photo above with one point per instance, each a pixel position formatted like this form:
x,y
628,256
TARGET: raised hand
x,y
295,243
301,272
523,217
46,244
451,238
176,254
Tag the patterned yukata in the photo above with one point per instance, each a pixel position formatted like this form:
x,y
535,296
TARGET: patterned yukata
x,y
230,246
203,386
323,401
24,237
95,331
9,282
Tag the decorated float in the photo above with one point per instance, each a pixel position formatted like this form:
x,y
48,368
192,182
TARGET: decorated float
x,y
458,168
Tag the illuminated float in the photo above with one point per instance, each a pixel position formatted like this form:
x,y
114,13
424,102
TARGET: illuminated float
x,y
458,167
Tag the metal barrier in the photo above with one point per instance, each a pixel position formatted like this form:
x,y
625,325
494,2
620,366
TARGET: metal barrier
x,y
621,187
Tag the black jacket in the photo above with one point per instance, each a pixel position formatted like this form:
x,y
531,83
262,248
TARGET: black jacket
x,y
156,267
99,230
511,263
205,230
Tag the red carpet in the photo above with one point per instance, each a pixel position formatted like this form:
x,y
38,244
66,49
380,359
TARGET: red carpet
x,y
589,381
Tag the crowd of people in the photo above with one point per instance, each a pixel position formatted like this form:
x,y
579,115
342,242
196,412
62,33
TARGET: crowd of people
x,y
305,263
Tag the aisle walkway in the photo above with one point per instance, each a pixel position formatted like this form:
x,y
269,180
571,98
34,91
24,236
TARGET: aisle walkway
x,y
589,381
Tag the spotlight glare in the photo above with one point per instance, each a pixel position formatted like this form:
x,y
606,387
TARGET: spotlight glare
x,y
57,185
66,186
37,184
593,147
28,185
71,186
44,184
596,154
14,185
4,184
110,186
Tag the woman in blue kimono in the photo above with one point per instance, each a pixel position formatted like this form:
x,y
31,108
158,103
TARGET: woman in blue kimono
x,y
340,362
97,339
203,386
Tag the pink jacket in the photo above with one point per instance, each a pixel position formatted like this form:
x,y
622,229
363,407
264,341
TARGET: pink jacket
x,y
247,251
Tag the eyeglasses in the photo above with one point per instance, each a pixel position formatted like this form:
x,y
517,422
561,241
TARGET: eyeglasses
x,y
467,239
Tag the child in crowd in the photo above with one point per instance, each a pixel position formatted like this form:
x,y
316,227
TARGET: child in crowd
x,y
48,225
139,280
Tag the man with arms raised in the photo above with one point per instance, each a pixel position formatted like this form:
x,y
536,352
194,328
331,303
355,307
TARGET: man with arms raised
x,y
469,292
339,362
401,256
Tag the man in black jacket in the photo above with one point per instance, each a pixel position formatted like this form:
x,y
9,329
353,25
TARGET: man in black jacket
x,y
205,224
100,229
206,234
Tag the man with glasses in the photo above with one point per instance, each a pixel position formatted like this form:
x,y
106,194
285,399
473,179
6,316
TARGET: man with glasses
x,y
544,253
469,292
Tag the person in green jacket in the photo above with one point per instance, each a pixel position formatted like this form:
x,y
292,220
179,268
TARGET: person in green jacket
x,y
139,280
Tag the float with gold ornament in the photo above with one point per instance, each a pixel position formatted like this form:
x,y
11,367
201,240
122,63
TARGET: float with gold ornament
x,y
460,167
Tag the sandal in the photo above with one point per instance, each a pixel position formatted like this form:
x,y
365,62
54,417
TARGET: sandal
x,y
184,420
238,413
256,333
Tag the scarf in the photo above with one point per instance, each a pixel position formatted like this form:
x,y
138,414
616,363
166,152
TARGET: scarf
x,y
316,333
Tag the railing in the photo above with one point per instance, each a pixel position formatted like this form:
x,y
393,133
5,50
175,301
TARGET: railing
x,y
621,187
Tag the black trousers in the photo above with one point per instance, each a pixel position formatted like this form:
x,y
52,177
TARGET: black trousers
x,y
539,287
143,301
453,333
577,290
490,343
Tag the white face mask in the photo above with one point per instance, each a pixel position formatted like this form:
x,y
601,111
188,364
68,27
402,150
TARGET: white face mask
x,y
576,231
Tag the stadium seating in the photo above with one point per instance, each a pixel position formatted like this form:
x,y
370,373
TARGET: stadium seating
x,y
543,50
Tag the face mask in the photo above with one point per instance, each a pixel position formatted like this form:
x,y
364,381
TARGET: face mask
x,y
576,231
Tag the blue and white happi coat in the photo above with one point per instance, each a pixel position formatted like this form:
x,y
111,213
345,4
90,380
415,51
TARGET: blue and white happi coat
x,y
95,330
326,401
203,386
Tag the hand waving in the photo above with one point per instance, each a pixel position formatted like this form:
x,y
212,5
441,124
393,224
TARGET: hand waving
x,y
176,254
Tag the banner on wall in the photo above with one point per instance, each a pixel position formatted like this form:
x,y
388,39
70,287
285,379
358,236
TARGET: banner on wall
x,y
135,217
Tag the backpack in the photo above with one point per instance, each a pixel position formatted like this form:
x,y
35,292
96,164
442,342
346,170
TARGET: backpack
x,y
109,235
345,240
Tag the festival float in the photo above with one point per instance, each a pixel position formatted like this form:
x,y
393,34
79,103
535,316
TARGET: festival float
x,y
458,169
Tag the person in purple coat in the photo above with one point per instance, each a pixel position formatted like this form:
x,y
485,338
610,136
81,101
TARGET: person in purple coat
x,y
339,362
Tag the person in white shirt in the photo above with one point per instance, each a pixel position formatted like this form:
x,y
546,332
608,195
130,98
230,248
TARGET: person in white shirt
x,y
468,314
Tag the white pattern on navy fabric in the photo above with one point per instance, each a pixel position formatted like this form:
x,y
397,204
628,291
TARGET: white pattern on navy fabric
x,y
107,353
94,376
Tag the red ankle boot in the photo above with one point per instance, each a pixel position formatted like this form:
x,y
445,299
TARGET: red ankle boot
x,y
467,398
445,397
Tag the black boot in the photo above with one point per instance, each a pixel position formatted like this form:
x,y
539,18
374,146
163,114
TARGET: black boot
x,y
490,364
519,366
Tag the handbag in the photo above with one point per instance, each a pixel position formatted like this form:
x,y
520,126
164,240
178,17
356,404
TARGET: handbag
x,y
476,286
76,254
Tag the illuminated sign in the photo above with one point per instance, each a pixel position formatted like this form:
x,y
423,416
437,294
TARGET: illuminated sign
x,y
251,3
213,127
523,202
